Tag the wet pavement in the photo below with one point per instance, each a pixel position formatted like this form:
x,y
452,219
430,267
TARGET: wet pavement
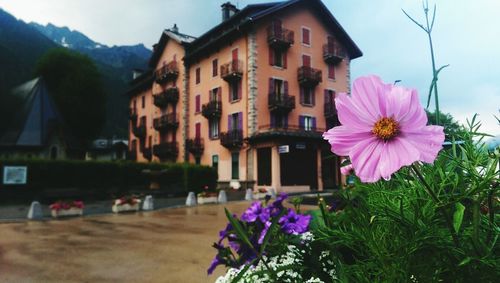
x,y
167,245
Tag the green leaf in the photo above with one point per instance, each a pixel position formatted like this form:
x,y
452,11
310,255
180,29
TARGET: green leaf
x,y
458,216
271,230
238,229
465,261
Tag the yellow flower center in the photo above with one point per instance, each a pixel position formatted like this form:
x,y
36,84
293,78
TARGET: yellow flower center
x,y
386,128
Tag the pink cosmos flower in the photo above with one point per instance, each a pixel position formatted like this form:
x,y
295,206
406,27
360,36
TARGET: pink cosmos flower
x,y
346,170
383,129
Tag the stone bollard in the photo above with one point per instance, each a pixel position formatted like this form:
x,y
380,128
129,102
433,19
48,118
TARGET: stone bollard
x,y
249,194
148,203
191,199
35,211
222,197
272,192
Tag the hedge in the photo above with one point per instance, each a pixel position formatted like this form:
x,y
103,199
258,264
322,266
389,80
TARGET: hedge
x,y
106,176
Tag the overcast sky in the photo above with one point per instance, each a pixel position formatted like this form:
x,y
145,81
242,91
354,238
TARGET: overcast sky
x,y
466,36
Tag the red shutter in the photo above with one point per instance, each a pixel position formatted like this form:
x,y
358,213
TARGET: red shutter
x,y
197,130
285,63
235,54
306,60
197,75
214,67
331,71
277,28
197,107
306,36
239,89
271,85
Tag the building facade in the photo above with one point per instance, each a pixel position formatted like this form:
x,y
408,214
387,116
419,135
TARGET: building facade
x,y
251,97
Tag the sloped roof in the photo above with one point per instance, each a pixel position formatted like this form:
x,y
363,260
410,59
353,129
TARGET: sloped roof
x,y
36,118
181,38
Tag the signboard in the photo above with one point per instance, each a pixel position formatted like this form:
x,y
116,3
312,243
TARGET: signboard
x,y
15,175
283,149
300,145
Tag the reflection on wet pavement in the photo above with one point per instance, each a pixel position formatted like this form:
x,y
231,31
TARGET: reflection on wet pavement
x,y
172,245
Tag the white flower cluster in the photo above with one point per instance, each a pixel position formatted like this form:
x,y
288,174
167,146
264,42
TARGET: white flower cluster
x,y
287,266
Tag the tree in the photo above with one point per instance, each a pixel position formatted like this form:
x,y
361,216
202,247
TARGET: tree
x,y
76,87
452,129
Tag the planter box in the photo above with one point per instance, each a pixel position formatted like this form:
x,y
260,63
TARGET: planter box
x,y
125,207
67,212
203,200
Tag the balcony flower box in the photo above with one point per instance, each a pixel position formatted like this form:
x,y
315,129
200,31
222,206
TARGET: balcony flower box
x,y
60,209
206,197
126,204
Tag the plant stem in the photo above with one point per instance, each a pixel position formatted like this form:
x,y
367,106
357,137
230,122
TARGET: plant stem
x,y
434,71
442,209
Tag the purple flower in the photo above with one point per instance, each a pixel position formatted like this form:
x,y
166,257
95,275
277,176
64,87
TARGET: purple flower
x,y
256,211
293,223
384,128
215,262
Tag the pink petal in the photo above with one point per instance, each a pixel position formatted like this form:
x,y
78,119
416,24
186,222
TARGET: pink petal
x,y
346,170
397,153
349,115
427,140
343,139
365,157
368,96
412,116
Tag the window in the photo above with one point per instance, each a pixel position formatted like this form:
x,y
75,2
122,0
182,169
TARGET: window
x,y
215,64
143,101
234,122
213,129
198,75
277,58
215,162
306,95
279,120
197,133
306,36
331,71
307,123
197,104
278,87
214,94
235,164
234,91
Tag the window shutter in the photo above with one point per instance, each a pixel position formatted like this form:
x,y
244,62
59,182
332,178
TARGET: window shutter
x,y
305,36
302,95
210,129
271,85
240,120
313,96
301,122
239,89
229,122
313,123
306,60
214,67
331,71
285,63
273,120
197,106
197,133
235,54
277,27
327,96
285,87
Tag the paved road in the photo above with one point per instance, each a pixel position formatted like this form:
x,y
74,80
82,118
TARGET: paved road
x,y
167,245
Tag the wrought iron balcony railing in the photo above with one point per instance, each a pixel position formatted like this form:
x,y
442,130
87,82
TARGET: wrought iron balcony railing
x,y
232,139
278,102
308,76
212,109
279,37
166,150
333,53
166,122
167,72
195,146
232,71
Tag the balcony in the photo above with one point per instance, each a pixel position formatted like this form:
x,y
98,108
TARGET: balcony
x,y
232,71
333,53
167,72
166,150
278,102
279,38
166,122
132,114
170,95
329,110
232,139
146,153
308,76
212,109
286,132
195,146
139,131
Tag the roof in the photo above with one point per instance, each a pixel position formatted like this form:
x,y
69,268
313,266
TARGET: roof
x,y
166,35
141,83
36,119
253,13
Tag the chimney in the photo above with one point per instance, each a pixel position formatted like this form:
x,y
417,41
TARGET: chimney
x,y
228,10
175,29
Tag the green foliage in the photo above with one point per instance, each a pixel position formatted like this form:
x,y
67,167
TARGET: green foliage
x,y
76,86
102,176
452,129
396,232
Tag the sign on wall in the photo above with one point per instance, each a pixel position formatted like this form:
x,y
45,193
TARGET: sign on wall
x,y
15,175
283,149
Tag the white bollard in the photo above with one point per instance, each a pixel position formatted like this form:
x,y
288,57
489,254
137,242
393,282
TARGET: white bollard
x,y
249,194
222,197
148,203
35,211
191,199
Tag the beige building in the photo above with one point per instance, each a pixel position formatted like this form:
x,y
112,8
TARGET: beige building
x,y
251,97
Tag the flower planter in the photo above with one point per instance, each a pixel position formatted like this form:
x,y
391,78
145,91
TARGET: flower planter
x,y
74,211
259,195
204,200
117,207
